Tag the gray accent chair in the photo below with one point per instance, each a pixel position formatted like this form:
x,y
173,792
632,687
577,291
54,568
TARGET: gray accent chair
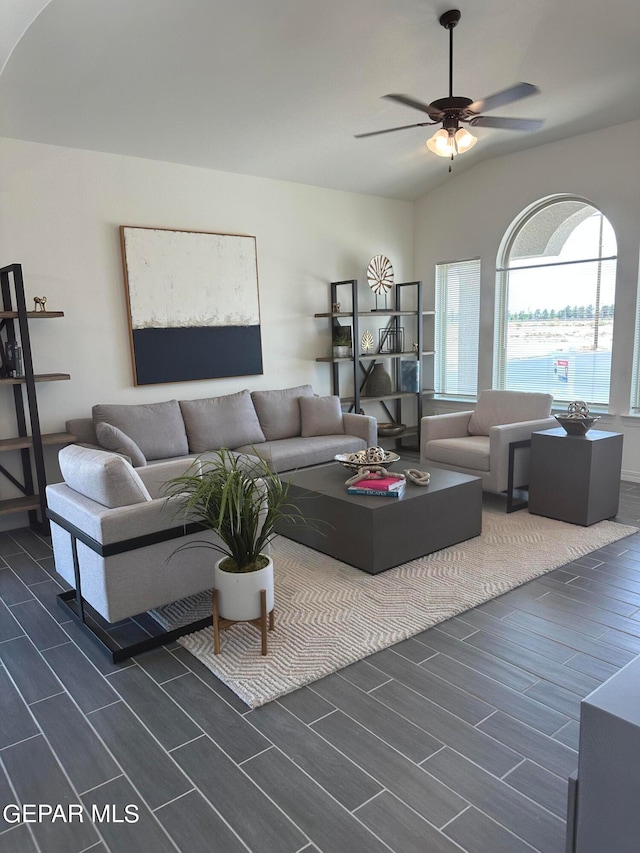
x,y
114,538
477,442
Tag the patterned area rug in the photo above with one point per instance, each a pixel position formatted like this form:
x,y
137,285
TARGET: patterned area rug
x,y
329,615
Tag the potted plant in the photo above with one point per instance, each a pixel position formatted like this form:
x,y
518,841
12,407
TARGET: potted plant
x,y
341,342
241,500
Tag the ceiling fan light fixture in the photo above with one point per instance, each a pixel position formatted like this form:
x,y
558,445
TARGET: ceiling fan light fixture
x,y
442,143
449,142
464,140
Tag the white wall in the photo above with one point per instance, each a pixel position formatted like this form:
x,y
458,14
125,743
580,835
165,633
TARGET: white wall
x,y
469,216
60,210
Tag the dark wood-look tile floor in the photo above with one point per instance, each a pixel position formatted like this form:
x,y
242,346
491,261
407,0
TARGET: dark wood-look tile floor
x,y
459,739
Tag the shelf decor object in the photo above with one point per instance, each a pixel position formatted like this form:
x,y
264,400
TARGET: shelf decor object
x,y
390,430
378,382
366,343
380,277
193,305
341,341
391,339
410,375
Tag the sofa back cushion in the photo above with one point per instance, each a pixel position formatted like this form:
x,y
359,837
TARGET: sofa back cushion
x,y
112,438
279,411
157,428
227,421
103,477
507,407
320,416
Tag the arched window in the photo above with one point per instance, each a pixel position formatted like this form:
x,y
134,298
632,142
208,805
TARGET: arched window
x,y
556,292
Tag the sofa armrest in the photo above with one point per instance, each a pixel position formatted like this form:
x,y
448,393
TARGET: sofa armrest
x,y
451,425
501,436
362,426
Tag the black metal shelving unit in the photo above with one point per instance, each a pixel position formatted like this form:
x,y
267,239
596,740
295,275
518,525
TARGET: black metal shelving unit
x,y
29,441
363,363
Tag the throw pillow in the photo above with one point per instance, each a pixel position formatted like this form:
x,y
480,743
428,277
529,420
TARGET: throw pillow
x,y
112,438
279,411
320,416
157,428
227,421
103,477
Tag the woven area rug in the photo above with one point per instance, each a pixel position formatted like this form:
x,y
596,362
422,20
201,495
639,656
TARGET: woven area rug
x,y
329,615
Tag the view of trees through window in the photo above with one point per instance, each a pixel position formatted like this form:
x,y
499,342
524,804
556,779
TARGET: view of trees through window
x,y
557,293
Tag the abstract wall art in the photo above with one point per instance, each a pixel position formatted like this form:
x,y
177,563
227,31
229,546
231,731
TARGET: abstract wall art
x,y
193,303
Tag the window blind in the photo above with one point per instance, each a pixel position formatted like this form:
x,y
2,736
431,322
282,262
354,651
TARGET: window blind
x,y
457,327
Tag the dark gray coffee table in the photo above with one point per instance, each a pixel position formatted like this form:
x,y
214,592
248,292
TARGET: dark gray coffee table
x,y
376,533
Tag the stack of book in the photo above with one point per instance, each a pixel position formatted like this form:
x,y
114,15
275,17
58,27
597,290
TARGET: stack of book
x,y
390,487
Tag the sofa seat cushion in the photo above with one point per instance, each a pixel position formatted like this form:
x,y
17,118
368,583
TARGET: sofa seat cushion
x,y
320,416
157,428
279,411
112,438
289,453
103,477
472,451
215,422
507,407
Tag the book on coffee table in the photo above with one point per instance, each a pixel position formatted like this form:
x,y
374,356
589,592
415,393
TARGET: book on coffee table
x,y
385,487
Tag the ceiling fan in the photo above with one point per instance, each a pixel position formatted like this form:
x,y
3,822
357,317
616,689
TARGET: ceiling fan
x,y
452,111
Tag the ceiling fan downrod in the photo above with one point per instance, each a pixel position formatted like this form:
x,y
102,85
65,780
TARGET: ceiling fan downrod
x,y
450,20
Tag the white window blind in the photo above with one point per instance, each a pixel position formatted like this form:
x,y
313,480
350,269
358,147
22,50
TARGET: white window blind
x,y
556,303
457,327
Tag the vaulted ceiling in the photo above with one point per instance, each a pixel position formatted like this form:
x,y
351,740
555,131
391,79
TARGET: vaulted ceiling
x,y
278,88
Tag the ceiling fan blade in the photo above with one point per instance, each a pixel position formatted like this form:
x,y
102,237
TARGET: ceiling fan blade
x,y
393,129
500,99
416,105
507,123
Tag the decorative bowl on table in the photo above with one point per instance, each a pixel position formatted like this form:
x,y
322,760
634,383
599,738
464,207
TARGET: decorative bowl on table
x,y
577,420
387,430
576,424
370,456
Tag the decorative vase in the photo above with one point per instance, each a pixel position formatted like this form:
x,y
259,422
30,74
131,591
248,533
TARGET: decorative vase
x,y
378,383
239,592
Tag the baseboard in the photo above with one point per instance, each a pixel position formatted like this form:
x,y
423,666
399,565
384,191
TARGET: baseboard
x,y
630,476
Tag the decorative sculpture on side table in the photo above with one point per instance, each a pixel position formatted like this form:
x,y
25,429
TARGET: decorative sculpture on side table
x,y
576,420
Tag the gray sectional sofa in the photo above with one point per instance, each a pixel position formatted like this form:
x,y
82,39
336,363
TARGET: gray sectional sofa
x,y
289,428
113,530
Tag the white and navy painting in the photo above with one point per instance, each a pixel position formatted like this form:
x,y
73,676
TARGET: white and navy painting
x,y
193,304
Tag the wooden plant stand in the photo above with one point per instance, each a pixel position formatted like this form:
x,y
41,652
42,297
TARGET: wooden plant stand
x,y
219,624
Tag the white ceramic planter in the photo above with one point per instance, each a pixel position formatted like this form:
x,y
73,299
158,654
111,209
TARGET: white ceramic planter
x,y
239,592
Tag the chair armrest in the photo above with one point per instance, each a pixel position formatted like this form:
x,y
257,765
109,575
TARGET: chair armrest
x,y
103,449
114,525
501,436
451,425
362,426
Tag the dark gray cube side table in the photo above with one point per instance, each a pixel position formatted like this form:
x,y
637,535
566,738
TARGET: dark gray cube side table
x,y
575,478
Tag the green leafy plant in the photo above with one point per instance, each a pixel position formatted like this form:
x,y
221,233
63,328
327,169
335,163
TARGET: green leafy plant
x,y
341,338
238,498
